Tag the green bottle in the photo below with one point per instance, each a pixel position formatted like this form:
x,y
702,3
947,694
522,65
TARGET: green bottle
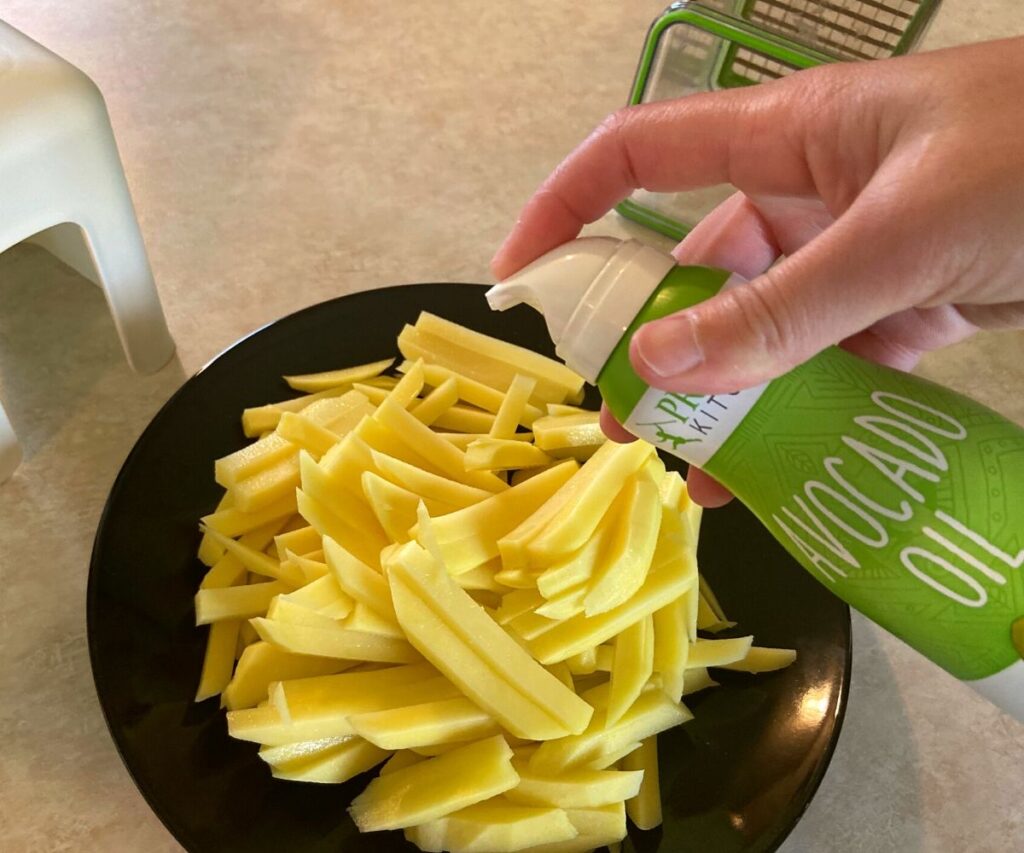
x,y
906,499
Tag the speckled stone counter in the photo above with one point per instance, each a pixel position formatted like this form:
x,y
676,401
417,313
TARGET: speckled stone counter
x,y
281,153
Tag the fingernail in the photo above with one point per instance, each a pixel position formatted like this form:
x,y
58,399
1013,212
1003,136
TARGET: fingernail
x,y
669,347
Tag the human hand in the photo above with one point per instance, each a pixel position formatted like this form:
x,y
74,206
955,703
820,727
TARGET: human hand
x,y
893,191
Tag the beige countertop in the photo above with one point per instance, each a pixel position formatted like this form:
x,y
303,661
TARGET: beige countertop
x,y
281,153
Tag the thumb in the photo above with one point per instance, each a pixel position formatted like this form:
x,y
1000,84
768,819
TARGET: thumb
x,y
835,286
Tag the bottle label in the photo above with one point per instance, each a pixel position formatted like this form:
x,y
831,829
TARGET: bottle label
x,y
690,426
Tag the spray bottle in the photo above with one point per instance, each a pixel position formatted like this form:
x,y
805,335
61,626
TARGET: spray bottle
x,y
903,497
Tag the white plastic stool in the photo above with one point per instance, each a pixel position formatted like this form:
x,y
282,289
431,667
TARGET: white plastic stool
x,y
62,185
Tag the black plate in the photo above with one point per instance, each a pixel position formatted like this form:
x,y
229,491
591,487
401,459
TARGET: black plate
x,y
736,778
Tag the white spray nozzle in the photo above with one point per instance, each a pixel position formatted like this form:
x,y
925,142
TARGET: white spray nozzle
x,y
588,290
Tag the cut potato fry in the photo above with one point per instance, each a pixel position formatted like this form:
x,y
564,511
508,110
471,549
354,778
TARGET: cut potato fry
x,y
442,454
427,724
581,632
510,413
235,602
578,435
495,454
219,659
258,562
313,382
472,392
591,493
408,387
760,659
336,642
233,522
430,487
644,808
632,666
630,548
263,663
460,639
672,645
259,419
359,581
228,570
499,826
469,538
718,652
653,712
531,363
436,787
437,402
575,789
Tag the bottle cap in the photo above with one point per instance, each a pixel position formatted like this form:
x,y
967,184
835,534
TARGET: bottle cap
x,y
589,291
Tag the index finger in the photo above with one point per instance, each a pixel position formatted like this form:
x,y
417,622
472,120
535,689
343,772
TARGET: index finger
x,y
750,137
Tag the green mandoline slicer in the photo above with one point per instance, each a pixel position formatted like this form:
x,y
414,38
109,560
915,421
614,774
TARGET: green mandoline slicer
x,y
719,44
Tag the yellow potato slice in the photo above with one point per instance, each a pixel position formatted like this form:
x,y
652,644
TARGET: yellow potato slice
x,y
472,392
228,570
577,435
394,506
518,358
592,492
268,486
311,565
430,487
302,751
283,609
697,679
259,419
335,765
401,758
219,659
307,435
309,695
464,419
761,659
348,508
498,826
653,712
233,522
632,667
426,724
258,562
672,645
267,725
565,604
301,541
469,537
363,618
414,568
441,454
237,466
575,789
495,454
263,663
516,604
337,642
706,653
384,440
235,602
313,382
577,568
630,548
408,387
581,632
471,671
437,402
436,787
510,413
359,581
365,547
644,808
